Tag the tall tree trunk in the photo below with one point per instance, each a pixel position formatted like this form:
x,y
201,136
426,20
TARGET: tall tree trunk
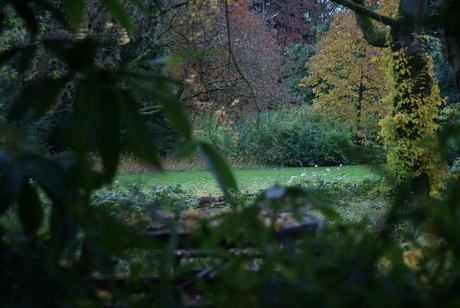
x,y
412,113
407,40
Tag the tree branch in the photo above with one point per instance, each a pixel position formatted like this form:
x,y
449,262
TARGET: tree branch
x,y
358,7
373,35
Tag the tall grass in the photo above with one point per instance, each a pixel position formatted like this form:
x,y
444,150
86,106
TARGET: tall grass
x,y
129,164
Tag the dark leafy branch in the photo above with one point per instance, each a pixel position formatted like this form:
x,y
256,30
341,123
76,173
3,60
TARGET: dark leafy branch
x,y
358,7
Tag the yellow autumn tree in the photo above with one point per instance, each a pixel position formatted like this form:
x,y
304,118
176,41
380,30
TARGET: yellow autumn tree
x,y
347,77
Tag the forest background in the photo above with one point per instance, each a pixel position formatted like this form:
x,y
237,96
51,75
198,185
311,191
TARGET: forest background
x,y
264,86
285,83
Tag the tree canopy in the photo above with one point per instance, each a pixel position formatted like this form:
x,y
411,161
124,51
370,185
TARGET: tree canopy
x,y
347,75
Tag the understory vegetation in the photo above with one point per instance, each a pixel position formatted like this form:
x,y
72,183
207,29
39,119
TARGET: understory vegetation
x,y
293,137
330,205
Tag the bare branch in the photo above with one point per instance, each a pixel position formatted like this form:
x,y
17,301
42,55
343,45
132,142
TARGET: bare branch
x,y
233,58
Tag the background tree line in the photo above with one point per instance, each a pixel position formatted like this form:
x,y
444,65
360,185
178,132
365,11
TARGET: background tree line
x,y
253,70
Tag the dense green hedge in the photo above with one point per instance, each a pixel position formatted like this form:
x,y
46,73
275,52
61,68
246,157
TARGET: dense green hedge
x,y
290,137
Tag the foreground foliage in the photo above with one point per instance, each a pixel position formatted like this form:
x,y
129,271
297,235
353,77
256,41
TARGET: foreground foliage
x,y
65,253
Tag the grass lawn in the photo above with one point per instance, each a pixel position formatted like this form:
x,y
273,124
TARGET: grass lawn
x,y
343,187
202,183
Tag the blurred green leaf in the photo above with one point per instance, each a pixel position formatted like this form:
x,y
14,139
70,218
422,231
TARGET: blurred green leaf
x,y
176,114
172,108
79,56
38,96
80,171
85,116
218,167
45,171
138,135
126,237
75,10
186,148
119,13
63,228
108,128
29,209
11,181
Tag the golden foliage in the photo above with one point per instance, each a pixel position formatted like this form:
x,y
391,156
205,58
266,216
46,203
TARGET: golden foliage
x,y
411,125
347,77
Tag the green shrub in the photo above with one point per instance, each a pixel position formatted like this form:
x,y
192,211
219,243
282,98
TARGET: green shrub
x,y
290,137
116,199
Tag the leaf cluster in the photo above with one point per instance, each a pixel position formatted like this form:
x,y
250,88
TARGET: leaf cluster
x,y
346,77
410,128
56,191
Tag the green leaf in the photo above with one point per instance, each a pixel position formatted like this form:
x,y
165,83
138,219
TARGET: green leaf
x,y
112,236
76,129
109,132
11,182
80,171
176,114
79,56
75,10
30,209
138,135
218,167
186,148
119,13
172,108
63,229
45,171
38,96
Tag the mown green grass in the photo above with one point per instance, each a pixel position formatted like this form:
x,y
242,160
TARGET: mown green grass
x,y
202,183
351,190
